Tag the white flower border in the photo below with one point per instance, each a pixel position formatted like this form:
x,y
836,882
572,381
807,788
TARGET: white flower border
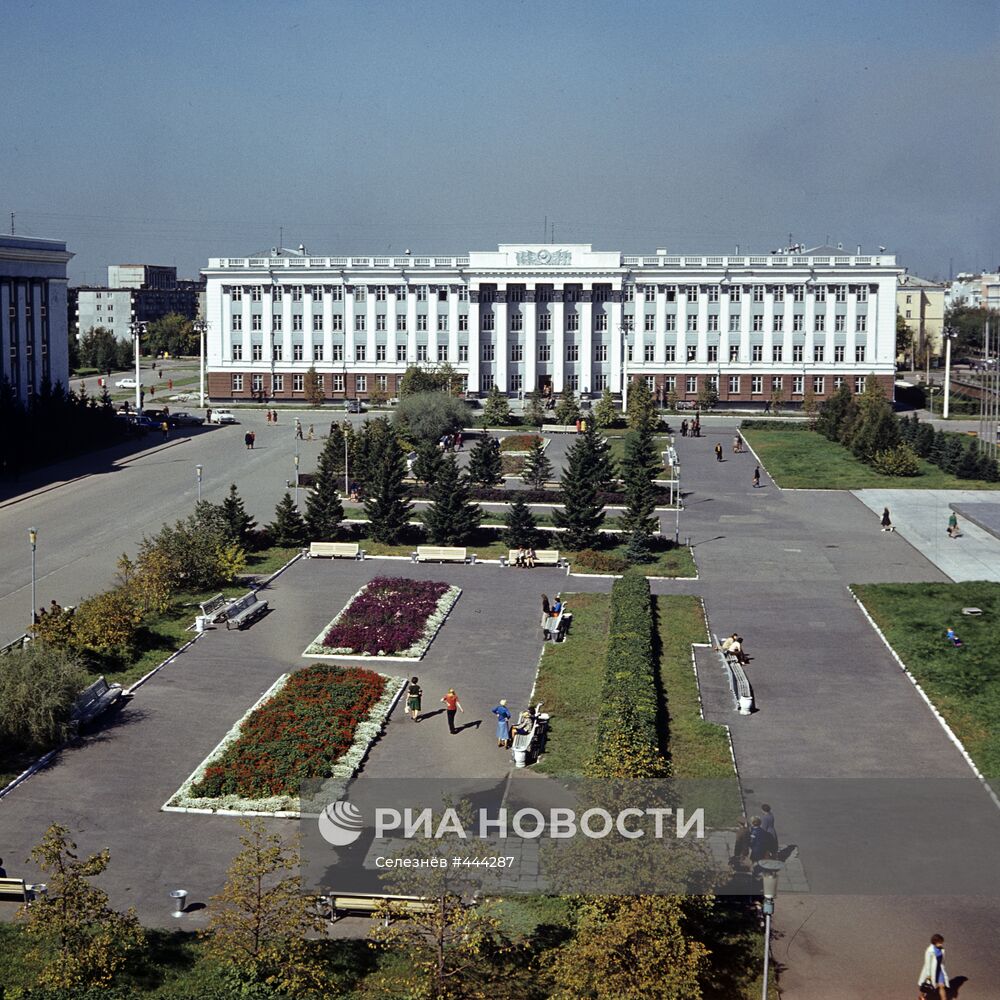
x,y
365,733
316,650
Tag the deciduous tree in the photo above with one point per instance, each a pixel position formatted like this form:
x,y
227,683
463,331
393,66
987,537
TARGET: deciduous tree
x,y
605,413
314,393
496,412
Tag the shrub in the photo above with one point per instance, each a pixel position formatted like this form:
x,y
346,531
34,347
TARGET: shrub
x,y
899,461
428,416
107,623
601,562
38,687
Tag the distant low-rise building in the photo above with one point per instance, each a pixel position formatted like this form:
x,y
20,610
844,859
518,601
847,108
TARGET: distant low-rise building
x,y
33,338
136,292
921,304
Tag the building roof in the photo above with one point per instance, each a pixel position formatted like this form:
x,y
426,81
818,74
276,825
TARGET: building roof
x,y
917,282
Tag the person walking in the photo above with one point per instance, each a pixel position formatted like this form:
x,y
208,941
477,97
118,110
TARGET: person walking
x,y
767,825
503,722
886,520
267,416
737,442
248,440
253,439
546,610
298,429
953,531
414,695
451,706
165,427
208,415
684,428
718,451
311,436
933,975
756,477
274,416
458,441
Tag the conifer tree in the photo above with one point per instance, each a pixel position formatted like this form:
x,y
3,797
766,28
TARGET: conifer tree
x,y
485,467
376,438
537,468
496,411
567,412
534,412
582,514
386,503
238,523
638,469
428,463
598,450
520,529
605,413
324,510
641,411
451,518
287,529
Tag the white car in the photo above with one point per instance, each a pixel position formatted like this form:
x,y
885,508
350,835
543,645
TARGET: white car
x,y
126,383
222,417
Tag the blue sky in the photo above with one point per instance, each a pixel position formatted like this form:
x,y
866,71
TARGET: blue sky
x,y
173,132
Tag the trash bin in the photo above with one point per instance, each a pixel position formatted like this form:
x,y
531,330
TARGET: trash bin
x,y
179,899
746,705
201,622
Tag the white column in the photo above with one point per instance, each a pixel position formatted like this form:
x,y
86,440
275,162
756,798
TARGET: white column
x,y
370,325
530,341
248,328
769,323
638,331
682,324
587,340
851,324
226,326
875,339
411,325
286,324
809,322
349,328
745,325
473,364
703,323
660,346
452,324
501,339
558,339
615,322
328,327
390,325
307,334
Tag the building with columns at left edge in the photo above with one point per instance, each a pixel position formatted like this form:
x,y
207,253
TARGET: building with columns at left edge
x,y
752,329
33,337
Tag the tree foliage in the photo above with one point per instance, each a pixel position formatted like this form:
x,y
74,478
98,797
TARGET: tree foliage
x,y
583,513
324,509
428,462
520,529
386,503
314,393
239,525
78,941
638,470
534,411
496,410
173,334
428,416
641,411
288,527
420,379
99,348
605,412
537,468
567,410
485,467
451,517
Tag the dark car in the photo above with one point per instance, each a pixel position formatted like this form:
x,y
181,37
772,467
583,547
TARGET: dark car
x,y
184,419
354,406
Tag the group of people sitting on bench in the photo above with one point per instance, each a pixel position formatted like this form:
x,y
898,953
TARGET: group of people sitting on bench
x,y
733,645
525,558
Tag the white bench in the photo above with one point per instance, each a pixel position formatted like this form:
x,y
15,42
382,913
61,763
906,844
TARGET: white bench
x,y
13,889
341,904
335,550
556,625
244,611
441,553
543,557
558,428
93,700
738,680
527,746
212,608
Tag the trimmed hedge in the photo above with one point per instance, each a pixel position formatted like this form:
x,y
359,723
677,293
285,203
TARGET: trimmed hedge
x,y
627,739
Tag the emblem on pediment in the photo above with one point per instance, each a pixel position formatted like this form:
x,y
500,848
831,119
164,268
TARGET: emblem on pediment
x,y
546,258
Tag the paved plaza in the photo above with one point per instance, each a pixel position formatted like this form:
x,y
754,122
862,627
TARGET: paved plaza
x,y
773,565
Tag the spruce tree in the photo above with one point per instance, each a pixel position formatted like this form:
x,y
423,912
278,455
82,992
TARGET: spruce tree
x,y
638,469
968,464
537,468
239,524
376,437
641,411
605,413
520,529
287,529
428,463
567,412
451,518
485,467
386,503
324,510
534,412
598,449
335,445
583,513
497,409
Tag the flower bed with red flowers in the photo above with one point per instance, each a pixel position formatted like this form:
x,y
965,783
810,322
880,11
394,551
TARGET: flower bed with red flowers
x,y
389,616
298,734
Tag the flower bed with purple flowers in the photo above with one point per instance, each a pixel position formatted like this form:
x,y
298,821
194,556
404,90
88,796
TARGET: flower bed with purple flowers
x,y
390,616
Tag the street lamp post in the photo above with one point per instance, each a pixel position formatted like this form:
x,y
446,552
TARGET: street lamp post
x,y
200,327
198,470
346,486
33,539
770,870
138,329
296,475
950,333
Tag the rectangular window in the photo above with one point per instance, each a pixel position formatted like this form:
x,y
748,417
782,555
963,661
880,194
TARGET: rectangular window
x,y
296,352
380,291
838,382
692,322
648,352
338,352
734,352
670,383
713,353
255,321
777,383
838,352
573,382
819,384
443,295
256,352
778,324
276,293
841,293
318,323
629,293
235,293
671,323
380,322
338,383
516,352
820,324
276,323
649,322
337,293
839,323
487,321
516,382
297,321
859,352
463,352
237,323
779,293
600,382
798,293
757,352
758,293
442,324
255,291
756,384
298,383
734,322
862,293
692,352
859,384
361,293
400,353
797,352
600,352
572,352
278,383
442,352
758,324
296,293
338,322
463,323
671,350
797,322
734,383
713,323
713,293
359,324
821,293
276,350
421,352
488,351
862,324
382,382
360,352
401,323
237,352
421,322
463,293
798,385
691,383
237,383
573,321
361,383
516,322
628,354
736,293
601,322
777,352
257,383
317,352
380,352
421,293
819,352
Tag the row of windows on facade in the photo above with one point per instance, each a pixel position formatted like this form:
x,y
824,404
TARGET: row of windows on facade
x,y
515,383
28,312
544,353
544,323
545,293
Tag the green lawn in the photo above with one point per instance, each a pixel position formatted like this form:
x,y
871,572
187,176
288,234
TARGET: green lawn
x,y
963,683
802,459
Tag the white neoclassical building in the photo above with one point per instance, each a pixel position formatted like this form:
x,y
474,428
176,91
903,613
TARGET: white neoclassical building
x,y
530,316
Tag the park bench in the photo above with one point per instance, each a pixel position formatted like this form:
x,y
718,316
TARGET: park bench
x,y
13,889
441,553
212,608
738,680
543,557
526,747
335,550
93,700
555,626
341,904
559,428
244,611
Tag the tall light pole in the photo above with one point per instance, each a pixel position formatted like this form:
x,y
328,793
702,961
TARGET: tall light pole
x,y
347,490
33,539
198,471
626,328
137,329
296,474
769,876
950,333
200,326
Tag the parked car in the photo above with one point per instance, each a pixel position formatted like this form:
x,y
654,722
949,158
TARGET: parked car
x,y
222,417
184,419
354,406
143,422
126,383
